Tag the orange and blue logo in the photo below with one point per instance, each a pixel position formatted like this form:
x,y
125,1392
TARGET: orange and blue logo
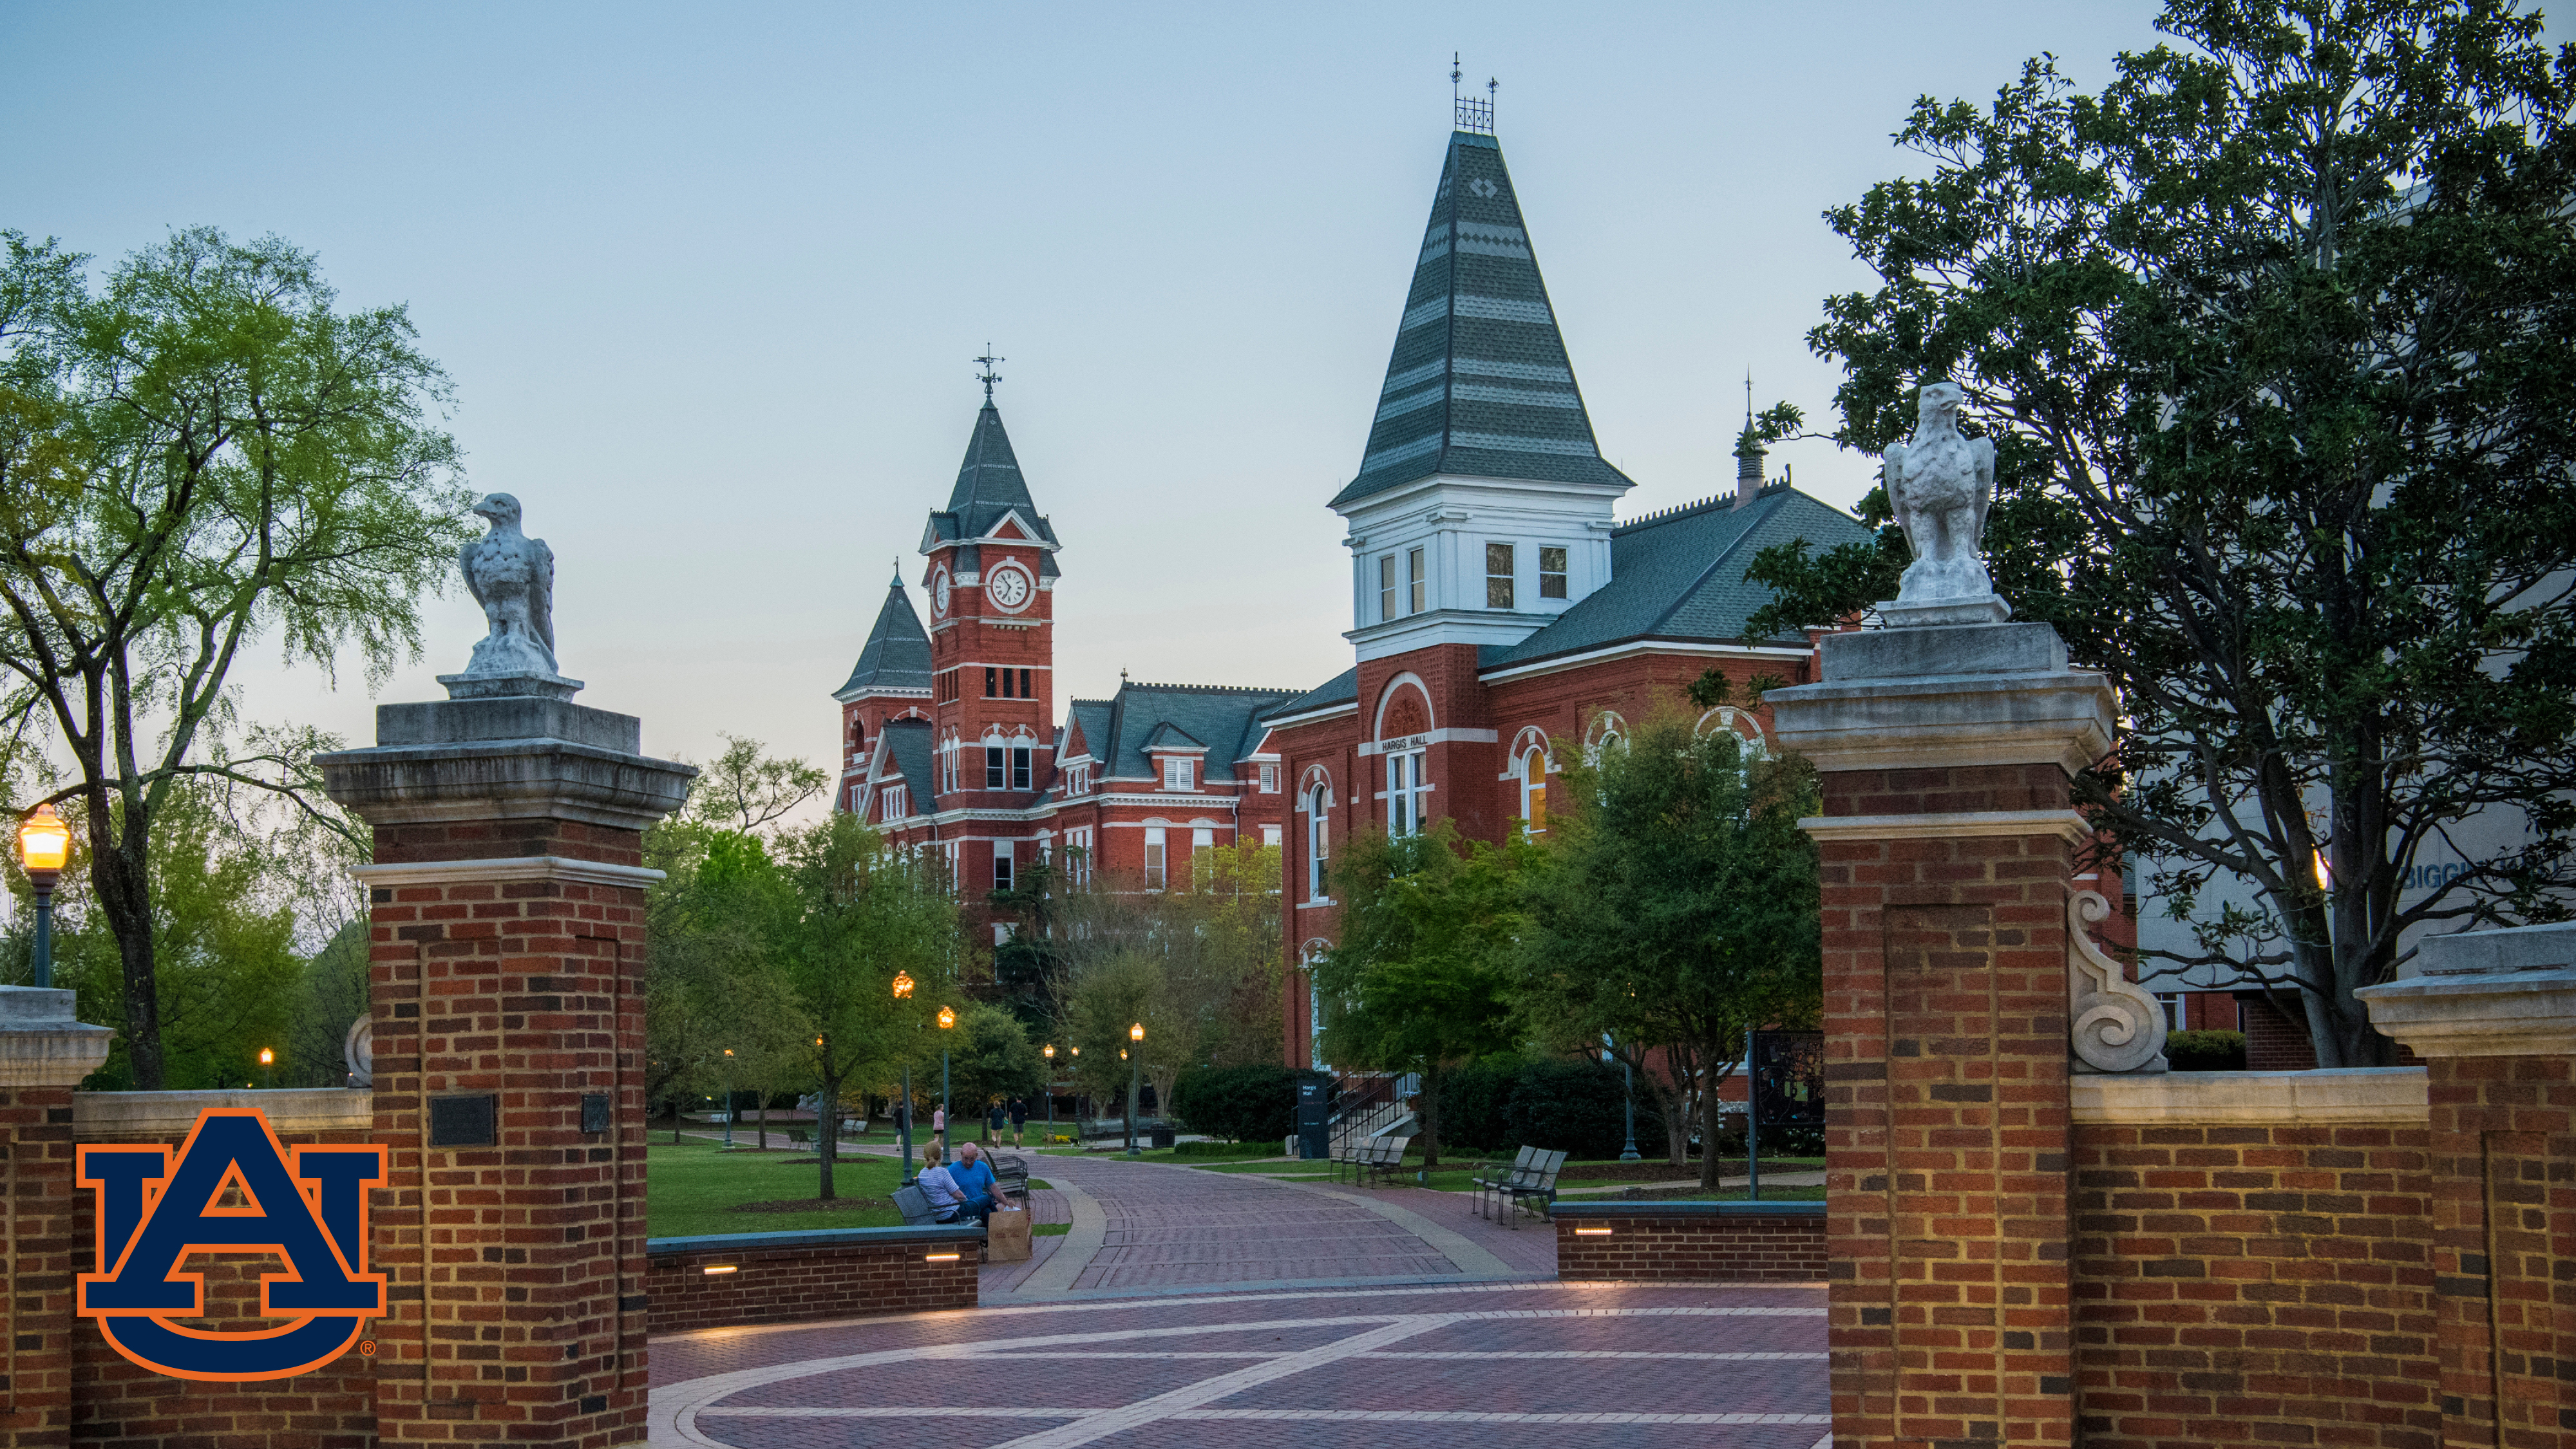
x,y
232,1188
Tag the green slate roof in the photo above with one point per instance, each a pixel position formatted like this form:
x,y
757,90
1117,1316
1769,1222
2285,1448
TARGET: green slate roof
x,y
907,743
1679,574
1479,383
1118,731
897,654
989,486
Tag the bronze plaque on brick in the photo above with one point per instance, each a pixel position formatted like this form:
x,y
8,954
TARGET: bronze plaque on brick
x,y
464,1121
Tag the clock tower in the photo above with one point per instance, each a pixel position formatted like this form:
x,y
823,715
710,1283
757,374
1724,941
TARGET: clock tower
x,y
991,579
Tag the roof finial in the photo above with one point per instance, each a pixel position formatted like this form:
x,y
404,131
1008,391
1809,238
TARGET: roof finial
x,y
1472,114
898,571
1748,397
988,376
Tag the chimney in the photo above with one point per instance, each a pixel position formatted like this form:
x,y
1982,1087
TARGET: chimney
x,y
1748,469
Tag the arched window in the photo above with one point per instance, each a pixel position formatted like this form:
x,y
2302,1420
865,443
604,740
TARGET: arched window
x,y
1728,717
1319,838
1606,731
1533,783
1314,951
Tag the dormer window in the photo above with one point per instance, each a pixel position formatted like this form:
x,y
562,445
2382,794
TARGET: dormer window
x,y
1176,773
1498,575
1551,573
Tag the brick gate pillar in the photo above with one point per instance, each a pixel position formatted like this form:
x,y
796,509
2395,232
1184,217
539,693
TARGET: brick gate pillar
x,y
2493,1015
1947,844
44,1053
508,1018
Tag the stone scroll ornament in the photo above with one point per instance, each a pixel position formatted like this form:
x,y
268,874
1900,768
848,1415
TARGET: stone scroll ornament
x,y
1940,484
2117,1026
513,577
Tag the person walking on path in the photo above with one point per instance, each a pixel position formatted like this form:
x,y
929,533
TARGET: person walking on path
x,y
1019,1118
994,1120
939,1127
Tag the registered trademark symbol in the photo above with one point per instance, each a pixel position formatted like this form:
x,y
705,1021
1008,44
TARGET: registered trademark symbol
x,y
367,1346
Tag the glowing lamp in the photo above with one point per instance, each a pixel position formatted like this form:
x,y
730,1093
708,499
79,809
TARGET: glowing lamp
x,y
1136,1032
267,1057
947,1017
902,985
44,842
1050,1051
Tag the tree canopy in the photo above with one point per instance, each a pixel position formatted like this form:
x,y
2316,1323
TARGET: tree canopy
x,y
2276,340
200,453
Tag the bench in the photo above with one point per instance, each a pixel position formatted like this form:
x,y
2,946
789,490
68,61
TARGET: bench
x,y
1011,1176
1355,1154
1372,1155
796,1137
1537,1185
1487,1182
914,1204
1390,1158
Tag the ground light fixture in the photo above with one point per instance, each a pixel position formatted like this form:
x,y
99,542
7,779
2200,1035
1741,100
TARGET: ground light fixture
x,y
716,1268
44,847
1135,1074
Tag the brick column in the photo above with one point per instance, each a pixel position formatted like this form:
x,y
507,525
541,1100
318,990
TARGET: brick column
x,y
2493,1015
1947,844
508,958
44,1053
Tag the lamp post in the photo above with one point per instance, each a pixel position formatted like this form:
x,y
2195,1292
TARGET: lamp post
x,y
1050,1091
267,1059
44,844
947,1022
1628,1077
728,1143
903,1109
1135,1075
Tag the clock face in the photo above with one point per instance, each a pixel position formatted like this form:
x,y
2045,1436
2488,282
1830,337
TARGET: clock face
x,y
939,592
1009,588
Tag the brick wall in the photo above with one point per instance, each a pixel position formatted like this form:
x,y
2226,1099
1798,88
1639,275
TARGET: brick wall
x,y
2503,1142
2273,1042
1663,1242
42,1233
516,1269
2250,1284
844,1274
1947,1110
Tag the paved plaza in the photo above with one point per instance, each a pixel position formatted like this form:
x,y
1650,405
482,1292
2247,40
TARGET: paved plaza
x,y
1191,1308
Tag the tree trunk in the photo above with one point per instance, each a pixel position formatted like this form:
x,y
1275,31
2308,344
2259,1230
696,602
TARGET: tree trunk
x,y
1430,1118
760,1114
120,874
827,1144
1709,1116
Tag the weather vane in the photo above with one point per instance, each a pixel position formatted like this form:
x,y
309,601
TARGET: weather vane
x,y
1472,115
988,376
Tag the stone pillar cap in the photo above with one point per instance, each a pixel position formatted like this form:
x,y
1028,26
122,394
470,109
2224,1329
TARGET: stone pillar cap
x,y
42,1042
2501,993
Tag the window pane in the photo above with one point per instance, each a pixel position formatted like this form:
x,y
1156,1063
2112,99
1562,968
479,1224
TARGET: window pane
x,y
989,686
1386,587
992,767
1420,581
1019,769
1498,593
1551,573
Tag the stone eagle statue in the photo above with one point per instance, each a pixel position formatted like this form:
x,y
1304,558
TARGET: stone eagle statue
x,y
513,577
1940,486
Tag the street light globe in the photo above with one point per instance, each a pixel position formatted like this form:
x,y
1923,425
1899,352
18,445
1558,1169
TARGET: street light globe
x,y
902,984
947,1017
1122,1054
266,1057
44,841
1050,1051
728,1051
1136,1032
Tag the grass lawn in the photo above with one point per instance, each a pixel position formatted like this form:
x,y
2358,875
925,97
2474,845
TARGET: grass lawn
x,y
692,1188
1457,1172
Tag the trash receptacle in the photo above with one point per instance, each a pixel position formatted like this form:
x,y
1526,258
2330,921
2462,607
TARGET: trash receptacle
x,y
1162,1137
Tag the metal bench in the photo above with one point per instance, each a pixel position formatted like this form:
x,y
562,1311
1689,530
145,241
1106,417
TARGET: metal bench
x,y
1360,1155
1539,1187
1011,1176
796,1137
914,1204
1390,1158
1488,1182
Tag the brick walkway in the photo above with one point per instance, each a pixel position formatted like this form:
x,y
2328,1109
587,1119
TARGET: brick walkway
x,y
1504,1365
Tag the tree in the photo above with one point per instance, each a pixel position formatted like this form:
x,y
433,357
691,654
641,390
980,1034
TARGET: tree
x,y
993,1059
746,788
865,912
1109,996
1677,910
1422,980
201,453
2276,339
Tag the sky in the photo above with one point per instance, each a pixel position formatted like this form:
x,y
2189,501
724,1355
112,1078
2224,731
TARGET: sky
x,y
708,280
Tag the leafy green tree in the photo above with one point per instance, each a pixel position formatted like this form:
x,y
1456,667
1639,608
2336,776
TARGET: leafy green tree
x,y
992,1060
1424,977
202,452
865,913
1678,910
2276,340
1109,996
747,789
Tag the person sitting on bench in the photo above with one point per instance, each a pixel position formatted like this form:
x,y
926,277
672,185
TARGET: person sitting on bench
x,y
940,1186
973,1177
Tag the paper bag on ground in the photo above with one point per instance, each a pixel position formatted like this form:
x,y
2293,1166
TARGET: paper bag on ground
x,y
1006,1237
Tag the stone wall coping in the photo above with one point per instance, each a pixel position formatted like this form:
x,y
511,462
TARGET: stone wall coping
x,y
2066,825
813,1238
1687,1210
2287,1099
2506,1013
171,1114
42,1044
2063,718
506,868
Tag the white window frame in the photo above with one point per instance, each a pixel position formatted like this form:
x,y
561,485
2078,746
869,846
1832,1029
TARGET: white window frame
x,y
1176,773
1023,766
1417,580
1386,610
896,806
1004,871
1564,575
1319,840
1157,872
1270,835
1532,773
1507,579
1270,779
1407,792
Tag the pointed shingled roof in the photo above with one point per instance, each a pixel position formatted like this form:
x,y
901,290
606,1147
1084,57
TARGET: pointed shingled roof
x,y
1479,383
897,655
990,488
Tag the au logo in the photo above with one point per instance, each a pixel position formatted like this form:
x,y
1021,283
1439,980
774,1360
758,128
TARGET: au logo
x,y
307,1205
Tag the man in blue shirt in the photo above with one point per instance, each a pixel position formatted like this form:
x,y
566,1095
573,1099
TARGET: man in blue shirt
x,y
974,1179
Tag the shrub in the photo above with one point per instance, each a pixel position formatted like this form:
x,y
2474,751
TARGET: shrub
x,y
2205,1051
1578,1107
1256,1103
1473,1100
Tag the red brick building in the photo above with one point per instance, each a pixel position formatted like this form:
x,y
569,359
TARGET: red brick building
x,y
951,739
1497,605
